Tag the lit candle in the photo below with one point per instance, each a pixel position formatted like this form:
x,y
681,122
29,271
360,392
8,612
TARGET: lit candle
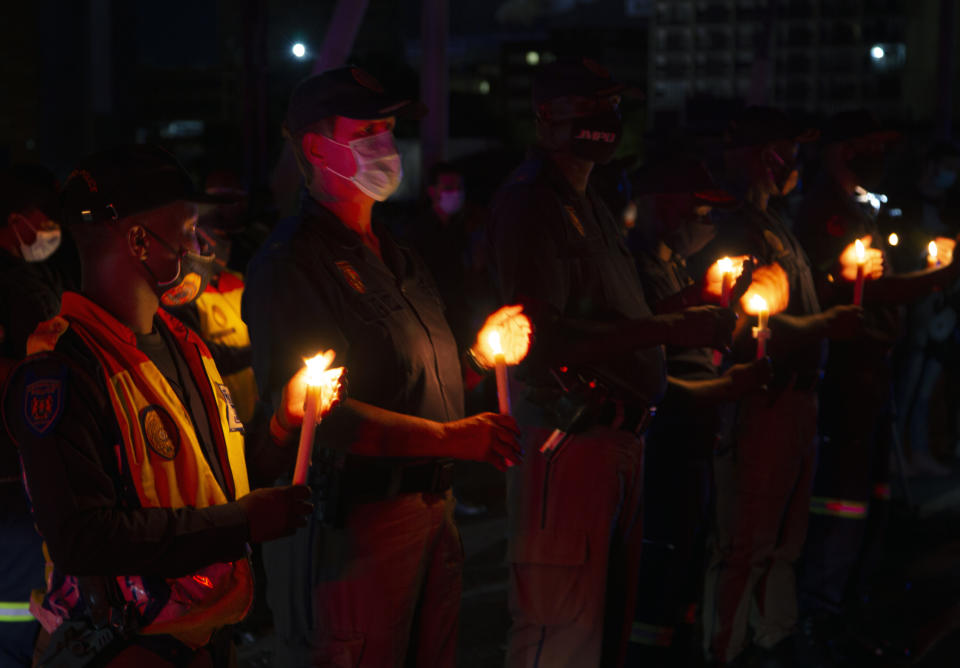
x,y
500,365
726,272
761,332
323,386
861,262
933,259
893,239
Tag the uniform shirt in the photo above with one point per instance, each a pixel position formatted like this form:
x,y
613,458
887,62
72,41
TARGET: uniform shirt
x,y
766,236
562,256
662,278
81,499
315,285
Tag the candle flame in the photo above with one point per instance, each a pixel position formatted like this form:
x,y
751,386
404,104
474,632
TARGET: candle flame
x,y
328,380
316,366
861,252
893,239
493,340
725,265
932,249
757,304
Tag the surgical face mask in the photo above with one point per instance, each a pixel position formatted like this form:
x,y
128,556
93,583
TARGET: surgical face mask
x,y
945,179
596,137
450,201
379,170
193,274
45,243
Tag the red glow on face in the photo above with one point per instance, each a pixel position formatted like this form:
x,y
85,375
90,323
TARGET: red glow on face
x,y
204,580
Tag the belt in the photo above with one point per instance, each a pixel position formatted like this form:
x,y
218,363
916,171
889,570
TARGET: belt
x,y
369,482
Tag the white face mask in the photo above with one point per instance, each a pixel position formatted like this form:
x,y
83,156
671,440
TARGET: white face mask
x,y
451,201
379,169
45,243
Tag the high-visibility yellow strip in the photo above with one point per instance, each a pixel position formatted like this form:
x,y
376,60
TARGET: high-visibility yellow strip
x,y
854,510
15,611
650,634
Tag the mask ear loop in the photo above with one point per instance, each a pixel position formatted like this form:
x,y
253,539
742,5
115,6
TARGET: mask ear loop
x,y
178,253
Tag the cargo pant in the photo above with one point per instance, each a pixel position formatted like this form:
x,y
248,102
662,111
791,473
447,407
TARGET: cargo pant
x,y
573,554
384,592
763,487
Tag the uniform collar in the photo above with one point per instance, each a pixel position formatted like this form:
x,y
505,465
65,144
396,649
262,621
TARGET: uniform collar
x,y
75,306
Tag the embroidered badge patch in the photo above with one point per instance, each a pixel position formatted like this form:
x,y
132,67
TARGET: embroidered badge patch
x,y
574,220
160,431
232,420
42,404
351,275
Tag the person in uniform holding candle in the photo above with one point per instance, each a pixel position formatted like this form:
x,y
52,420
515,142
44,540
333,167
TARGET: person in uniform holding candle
x,y
763,470
675,195
574,530
375,581
851,490
132,453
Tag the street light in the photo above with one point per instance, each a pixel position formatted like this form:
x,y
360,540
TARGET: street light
x,y
533,58
877,52
298,50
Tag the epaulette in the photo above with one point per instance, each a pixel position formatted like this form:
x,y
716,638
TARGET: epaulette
x,y
45,336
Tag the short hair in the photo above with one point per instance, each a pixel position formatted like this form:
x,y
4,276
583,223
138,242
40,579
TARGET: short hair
x,y
324,126
25,188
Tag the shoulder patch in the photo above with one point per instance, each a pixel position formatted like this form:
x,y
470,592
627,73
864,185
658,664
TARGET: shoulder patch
x,y
351,276
574,220
160,431
43,402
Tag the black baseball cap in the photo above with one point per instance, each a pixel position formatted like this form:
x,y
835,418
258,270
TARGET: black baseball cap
x,y
580,77
683,176
349,92
758,126
857,124
122,181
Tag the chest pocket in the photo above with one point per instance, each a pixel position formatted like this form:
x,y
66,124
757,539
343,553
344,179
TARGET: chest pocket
x,y
375,306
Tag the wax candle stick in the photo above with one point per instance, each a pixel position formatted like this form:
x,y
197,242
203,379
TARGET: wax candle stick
x,y
761,332
726,289
323,386
500,366
858,284
307,431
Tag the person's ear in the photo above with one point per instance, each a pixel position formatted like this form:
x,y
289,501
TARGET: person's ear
x,y
137,242
314,150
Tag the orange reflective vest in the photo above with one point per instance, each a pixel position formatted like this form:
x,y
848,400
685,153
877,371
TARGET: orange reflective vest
x,y
220,322
166,463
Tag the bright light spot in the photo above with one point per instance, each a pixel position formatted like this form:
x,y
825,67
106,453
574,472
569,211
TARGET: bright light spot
x,y
893,239
877,52
895,213
725,265
861,252
493,340
533,58
484,87
883,198
298,50
932,250
757,304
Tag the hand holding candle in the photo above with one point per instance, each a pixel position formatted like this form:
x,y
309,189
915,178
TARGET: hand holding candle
x,y
503,340
322,390
940,252
758,307
859,263
769,292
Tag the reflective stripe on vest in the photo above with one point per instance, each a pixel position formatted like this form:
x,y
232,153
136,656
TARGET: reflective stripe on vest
x,y
651,634
15,611
166,463
853,510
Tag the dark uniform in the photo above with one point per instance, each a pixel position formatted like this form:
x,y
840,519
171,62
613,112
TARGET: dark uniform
x,y
852,481
763,482
315,286
29,294
573,521
676,491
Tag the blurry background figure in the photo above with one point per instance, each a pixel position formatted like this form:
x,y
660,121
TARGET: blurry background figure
x,y
29,294
929,348
215,315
